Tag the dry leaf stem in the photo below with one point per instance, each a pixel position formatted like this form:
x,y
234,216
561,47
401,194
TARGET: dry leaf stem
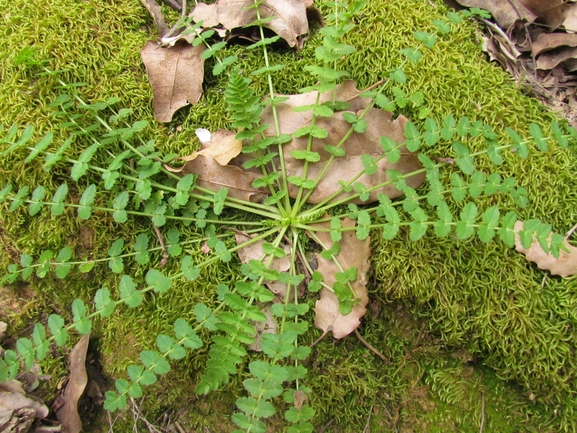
x,y
371,347
160,238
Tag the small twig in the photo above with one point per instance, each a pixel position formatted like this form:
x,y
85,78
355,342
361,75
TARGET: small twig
x,y
367,428
570,232
178,427
110,423
154,10
445,160
544,281
165,254
326,426
482,412
174,5
317,341
138,416
183,9
371,347
372,86
420,334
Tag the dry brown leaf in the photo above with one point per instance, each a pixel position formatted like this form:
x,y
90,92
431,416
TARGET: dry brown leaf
x,y
564,266
223,146
213,176
380,123
12,386
354,253
502,52
551,59
505,12
214,173
550,41
290,22
176,74
18,412
300,398
255,251
68,413
204,248
551,12
570,23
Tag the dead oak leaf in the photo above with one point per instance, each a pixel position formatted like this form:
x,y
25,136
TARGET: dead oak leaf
x,y
289,21
175,74
550,41
211,165
354,253
222,146
565,265
346,167
68,413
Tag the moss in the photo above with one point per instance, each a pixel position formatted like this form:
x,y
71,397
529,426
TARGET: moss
x,y
432,299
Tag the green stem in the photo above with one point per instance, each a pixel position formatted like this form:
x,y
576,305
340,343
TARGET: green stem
x,y
287,205
298,204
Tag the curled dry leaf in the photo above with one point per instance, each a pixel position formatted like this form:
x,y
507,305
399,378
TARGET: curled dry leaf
x,y
379,123
564,265
551,59
222,146
18,412
550,41
68,413
290,17
551,12
214,173
176,74
354,253
505,12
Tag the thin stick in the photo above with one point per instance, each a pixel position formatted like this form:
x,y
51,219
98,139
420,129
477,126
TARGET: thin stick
x,y
544,281
165,254
154,9
183,10
329,329
482,412
138,416
326,426
174,5
367,428
371,347
570,232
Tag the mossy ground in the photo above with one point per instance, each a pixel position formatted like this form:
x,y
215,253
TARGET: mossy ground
x,y
455,318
